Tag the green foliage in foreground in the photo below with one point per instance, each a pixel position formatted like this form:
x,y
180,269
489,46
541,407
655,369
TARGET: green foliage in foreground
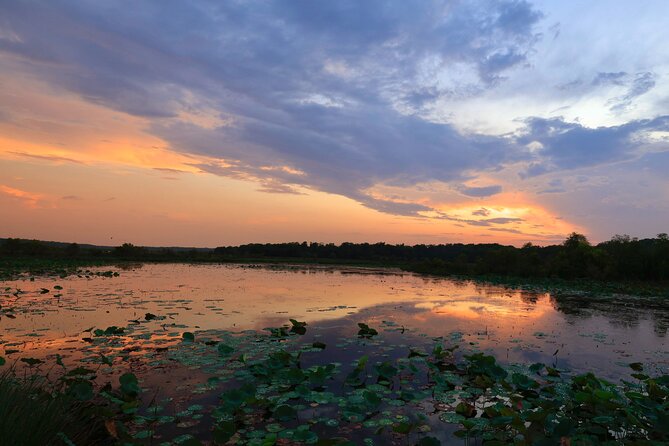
x,y
271,395
31,414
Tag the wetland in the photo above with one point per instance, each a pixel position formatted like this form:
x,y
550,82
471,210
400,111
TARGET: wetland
x,y
313,354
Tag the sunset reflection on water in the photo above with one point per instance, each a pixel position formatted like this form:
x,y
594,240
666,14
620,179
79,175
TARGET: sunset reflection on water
x,y
516,325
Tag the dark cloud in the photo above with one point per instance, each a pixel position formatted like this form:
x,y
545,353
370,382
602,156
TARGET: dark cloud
x,y
275,187
567,145
482,222
52,158
483,212
168,170
512,231
503,220
533,170
486,191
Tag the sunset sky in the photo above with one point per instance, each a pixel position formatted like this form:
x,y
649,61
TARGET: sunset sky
x,y
215,123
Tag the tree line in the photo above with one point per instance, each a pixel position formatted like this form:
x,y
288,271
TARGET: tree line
x,y
621,258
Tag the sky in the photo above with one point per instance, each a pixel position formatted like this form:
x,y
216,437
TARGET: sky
x,y
208,123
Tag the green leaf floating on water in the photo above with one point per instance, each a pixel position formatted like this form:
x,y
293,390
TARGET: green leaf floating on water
x,y
224,431
413,353
636,366
286,392
298,327
110,331
365,331
386,370
285,412
537,367
225,350
403,427
105,359
31,361
129,384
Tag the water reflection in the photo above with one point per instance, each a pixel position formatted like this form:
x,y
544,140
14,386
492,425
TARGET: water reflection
x,y
517,325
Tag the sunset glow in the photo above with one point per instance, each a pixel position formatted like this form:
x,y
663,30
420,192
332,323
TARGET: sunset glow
x,y
208,125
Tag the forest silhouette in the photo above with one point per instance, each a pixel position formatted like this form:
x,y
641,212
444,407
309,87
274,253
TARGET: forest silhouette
x,y
622,258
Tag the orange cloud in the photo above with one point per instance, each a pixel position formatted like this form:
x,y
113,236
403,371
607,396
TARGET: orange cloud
x,y
30,199
58,127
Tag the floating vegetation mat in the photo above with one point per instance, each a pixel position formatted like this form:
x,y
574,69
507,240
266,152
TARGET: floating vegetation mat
x,y
285,386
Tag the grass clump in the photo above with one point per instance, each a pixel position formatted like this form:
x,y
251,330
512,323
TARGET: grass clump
x,y
31,414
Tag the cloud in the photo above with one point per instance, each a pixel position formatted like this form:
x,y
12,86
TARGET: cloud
x,y
568,145
552,190
503,220
486,191
275,187
604,78
169,170
642,84
512,231
492,221
482,222
637,85
52,158
533,170
30,199
317,87
332,96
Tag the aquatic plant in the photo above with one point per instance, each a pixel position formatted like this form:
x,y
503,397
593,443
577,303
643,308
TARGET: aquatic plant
x,y
281,387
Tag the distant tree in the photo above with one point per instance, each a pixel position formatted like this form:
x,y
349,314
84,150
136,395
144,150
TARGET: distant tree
x,y
128,251
576,241
576,258
72,250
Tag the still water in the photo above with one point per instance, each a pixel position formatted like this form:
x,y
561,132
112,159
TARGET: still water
x,y
577,333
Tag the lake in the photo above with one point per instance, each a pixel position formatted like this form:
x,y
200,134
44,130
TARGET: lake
x,y
154,309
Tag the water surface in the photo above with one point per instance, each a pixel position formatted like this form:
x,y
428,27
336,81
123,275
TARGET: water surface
x,y
578,333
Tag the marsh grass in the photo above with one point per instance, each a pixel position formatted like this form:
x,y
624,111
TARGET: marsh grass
x,y
33,414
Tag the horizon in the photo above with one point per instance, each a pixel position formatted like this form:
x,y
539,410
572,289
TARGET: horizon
x,y
204,125
662,235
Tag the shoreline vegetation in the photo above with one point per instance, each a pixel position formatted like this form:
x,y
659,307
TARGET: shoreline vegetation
x,y
622,265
